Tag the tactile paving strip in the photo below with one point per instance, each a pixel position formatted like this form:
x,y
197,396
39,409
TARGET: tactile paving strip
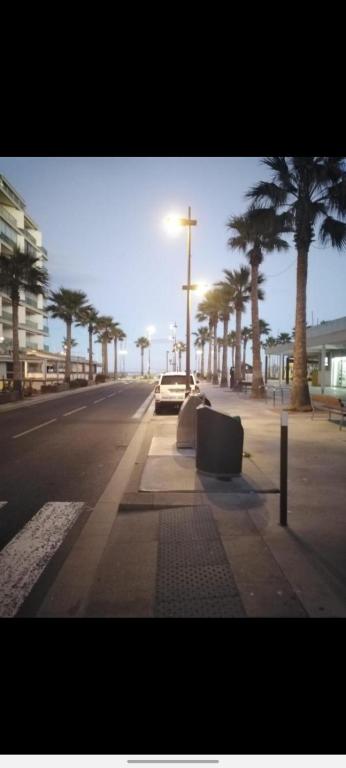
x,y
194,577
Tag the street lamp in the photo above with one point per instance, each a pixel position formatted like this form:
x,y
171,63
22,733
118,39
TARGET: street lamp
x,y
173,338
123,353
150,330
173,224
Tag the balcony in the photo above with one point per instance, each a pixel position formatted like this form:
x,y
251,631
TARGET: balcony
x,y
29,237
30,326
31,302
7,216
6,190
6,317
9,240
31,345
45,329
46,348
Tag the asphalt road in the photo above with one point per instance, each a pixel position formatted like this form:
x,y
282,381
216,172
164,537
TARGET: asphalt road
x,y
69,459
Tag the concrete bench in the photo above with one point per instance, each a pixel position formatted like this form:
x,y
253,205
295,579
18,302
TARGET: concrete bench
x,y
330,404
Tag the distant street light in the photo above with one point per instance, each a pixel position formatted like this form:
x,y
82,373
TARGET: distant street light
x,y
173,224
123,353
150,330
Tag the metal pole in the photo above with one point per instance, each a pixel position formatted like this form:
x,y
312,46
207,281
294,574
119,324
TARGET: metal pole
x,y
188,386
283,468
167,353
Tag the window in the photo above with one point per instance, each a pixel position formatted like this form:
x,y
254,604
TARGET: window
x,y
175,379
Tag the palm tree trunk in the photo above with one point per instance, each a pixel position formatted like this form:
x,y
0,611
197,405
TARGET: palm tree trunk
x,y
223,382
142,361
202,362
244,357
105,356
300,399
115,358
215,378
233,350
237,373
257,389
17,368
91,375
209,349
68,351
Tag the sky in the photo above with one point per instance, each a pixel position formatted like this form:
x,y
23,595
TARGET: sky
x,y
102,225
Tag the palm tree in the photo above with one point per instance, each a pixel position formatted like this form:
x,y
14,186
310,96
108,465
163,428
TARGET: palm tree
x,y
246,334
142,342
256,234
74,343
104,326
209,308
270,341
239,282
231,341
283,338
118,335
20,271
308,191
88,317
202,336
226,308
179,347
67,305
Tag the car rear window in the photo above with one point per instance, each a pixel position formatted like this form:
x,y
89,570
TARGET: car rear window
x,y
178,379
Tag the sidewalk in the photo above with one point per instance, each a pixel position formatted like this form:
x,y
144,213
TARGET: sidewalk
x,y
183,544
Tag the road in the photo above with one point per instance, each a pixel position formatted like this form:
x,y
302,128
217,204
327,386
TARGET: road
x,y
64,450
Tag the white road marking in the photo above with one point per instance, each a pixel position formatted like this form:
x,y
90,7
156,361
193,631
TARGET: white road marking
x,y
100,400
143,407
33,429
2,503
75,410
26,556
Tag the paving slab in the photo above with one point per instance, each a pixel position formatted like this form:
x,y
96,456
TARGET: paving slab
x,y
178,473
167,446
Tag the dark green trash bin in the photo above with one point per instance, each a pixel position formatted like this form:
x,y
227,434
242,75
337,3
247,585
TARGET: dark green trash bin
x,y
219,443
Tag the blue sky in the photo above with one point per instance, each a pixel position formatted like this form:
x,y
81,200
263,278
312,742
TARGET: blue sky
x,y
101,219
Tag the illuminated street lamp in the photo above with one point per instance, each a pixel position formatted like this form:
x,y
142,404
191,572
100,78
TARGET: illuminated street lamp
x,y
123,353
198,359
150,330
173,225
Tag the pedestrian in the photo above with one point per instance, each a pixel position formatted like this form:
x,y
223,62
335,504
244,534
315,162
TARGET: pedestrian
x,y
231,377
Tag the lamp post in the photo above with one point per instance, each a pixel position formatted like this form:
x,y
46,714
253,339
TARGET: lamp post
x,y
198,358
173,338
173,224
123,353
150,330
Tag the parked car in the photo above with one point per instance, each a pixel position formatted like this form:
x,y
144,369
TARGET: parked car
x,y
171,389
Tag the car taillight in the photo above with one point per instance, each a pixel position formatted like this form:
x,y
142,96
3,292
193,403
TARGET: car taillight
x,y
157,388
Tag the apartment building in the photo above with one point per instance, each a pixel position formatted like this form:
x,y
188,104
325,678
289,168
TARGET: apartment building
x,y
17,228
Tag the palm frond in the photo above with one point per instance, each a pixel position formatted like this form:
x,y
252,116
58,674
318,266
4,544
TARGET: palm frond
x,y
336,196
333,231
268,194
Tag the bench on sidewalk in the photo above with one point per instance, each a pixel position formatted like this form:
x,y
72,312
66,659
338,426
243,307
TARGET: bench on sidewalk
x,y
330,404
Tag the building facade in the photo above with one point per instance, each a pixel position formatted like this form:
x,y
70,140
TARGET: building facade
x,y
326,352
17,228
